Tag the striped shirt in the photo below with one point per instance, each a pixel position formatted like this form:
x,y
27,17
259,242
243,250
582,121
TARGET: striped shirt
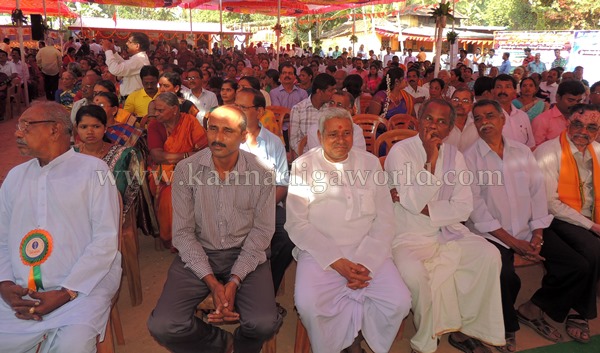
x,y
214,214
302,117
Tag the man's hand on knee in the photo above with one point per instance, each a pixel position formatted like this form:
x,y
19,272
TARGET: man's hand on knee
x,y
12,294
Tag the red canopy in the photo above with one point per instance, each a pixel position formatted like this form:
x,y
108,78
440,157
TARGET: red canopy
x,y
53,7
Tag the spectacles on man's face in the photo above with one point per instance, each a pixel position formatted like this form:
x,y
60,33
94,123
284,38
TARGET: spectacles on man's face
x,y
24,125
578,126
192,78
242,107
463,101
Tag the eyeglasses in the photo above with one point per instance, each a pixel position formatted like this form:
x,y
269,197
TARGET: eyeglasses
x,y
464,100
24,125
192,78
244,107
578,126
595,92
439,122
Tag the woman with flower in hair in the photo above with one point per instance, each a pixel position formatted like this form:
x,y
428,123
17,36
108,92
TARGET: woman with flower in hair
x,y
391,99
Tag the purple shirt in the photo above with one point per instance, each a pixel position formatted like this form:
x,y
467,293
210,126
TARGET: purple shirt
x,y
280,97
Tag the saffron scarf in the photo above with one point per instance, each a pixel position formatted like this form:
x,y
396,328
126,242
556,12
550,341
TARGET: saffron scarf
x,y
570,187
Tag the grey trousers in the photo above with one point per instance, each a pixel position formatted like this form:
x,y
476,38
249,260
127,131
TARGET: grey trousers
x,y
173,323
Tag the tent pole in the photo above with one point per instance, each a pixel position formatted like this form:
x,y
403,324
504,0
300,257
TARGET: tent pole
x,y
191,30
221,26
278,32
21,46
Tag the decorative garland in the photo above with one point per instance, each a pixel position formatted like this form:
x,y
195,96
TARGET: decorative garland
x,y
388,93
17,17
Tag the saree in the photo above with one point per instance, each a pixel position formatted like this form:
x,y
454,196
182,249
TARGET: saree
x,y
187,136
532,109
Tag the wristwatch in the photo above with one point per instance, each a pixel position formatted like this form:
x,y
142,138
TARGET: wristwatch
x,y
72,294
235,280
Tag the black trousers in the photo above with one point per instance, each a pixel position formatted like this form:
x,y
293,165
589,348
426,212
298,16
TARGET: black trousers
x,y
572,270
173,323
281,249
50,85
510,285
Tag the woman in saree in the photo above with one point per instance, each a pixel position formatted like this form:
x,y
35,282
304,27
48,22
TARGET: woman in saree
x,y
391,99
91,124
172,136
527,101
127,134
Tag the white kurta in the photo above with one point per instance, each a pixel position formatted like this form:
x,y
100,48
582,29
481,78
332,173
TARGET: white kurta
x,y
455,286
508,193
332,215
66,198
464,138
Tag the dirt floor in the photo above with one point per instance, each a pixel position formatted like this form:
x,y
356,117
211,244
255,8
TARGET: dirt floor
x,y
154,265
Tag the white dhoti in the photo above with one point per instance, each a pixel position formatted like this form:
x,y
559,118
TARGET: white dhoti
x,y
454,286
333,313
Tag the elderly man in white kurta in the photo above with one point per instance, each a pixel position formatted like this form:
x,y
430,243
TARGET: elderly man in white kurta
x,y
453,275
346,281
509,200
59,263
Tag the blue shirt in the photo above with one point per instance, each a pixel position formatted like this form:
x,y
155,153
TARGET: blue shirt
x,y
537,68
505,67
271,151
280,97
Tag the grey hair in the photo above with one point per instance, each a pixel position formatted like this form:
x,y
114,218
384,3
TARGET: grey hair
x,y
169,98
442,102
493,103
56,112
331,113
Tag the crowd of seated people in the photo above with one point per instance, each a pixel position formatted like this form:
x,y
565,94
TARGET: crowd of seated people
x,y
444,248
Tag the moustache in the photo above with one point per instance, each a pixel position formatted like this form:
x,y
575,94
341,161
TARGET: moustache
x,y
581,136
502,95
21,142
218,144
485,126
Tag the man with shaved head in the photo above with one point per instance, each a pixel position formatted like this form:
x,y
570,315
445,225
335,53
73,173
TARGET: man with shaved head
x,y
223,221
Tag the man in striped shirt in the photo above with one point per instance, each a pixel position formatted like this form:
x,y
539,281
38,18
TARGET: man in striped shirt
x,y
223,221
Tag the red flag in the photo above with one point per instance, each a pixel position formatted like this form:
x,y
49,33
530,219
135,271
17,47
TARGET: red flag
x,y
115,18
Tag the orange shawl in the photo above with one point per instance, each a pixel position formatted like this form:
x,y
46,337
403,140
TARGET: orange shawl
x,y
187,136
570,188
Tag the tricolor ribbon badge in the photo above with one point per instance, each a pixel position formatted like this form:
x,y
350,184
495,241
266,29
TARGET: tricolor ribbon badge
x,y
35,249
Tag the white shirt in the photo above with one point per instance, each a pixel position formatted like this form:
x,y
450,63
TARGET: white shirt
x,y
9,69
96,48
508,192
518,127
551,89
302,116
466,137
128,69
66,198
418,188
418,93
22,71
358,140
332,214
549,155
205,102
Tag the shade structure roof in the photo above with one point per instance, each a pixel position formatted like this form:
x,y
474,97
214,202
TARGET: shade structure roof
x,y
53,7
294,8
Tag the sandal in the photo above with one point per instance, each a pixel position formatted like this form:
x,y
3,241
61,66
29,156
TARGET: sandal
x,y
576,321
511,343
469,345
541,326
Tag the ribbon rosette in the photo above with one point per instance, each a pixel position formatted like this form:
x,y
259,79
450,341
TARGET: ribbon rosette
x,y
35,249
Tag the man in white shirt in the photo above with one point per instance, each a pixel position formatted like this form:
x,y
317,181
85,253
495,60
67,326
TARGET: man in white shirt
x,y
95,47
453,275
409,58
490,61
137,45
346,281
49,61
203,99
517,126
464,132
549,87
571,247
6,66
344,100
419,93
59,224
510,208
